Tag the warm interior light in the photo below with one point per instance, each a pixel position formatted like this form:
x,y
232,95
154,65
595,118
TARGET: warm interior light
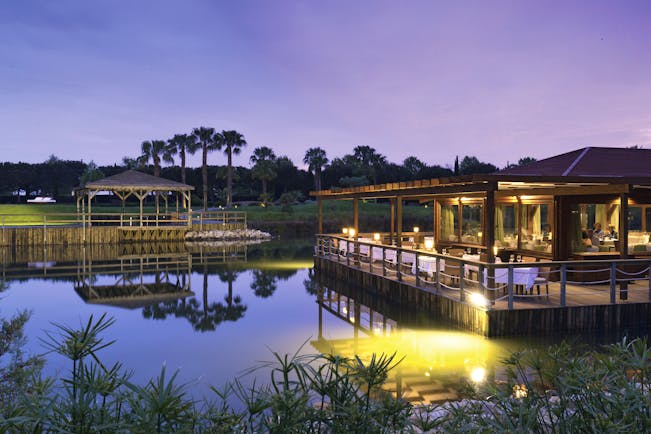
x,y
549,236
351,232
494,250
344,231
429,244
416,229
376,236
477,299
479,234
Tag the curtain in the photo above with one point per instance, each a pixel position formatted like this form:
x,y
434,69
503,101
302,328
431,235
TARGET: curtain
x,y
447,222
535,219
614,218
600,216
499,223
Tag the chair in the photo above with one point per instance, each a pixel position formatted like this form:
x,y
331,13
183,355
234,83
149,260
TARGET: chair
x,y
542,279
453,271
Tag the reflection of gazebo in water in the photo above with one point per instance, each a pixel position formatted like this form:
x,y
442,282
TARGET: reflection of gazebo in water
x,y
139,185
135,281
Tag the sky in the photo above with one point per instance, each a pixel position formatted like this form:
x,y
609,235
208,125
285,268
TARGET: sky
x,y
498,80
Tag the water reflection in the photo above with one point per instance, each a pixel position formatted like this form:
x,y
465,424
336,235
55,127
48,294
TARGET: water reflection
x,y
437,362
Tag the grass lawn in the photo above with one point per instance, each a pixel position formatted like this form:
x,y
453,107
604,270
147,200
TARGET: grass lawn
x,y
19,215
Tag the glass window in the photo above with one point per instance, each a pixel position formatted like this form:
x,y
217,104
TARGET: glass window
x,y
471,217
506,226
638,239
449,223
536,227
594,227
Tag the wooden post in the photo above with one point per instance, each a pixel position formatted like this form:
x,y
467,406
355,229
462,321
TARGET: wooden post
x,y
399,221
393,220
623,239
319,206
140,197
356,216
489,237
435,223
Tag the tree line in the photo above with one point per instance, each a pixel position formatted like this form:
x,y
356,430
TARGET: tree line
x,y
269,177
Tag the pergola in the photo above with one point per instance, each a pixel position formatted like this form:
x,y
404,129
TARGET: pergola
x,y
561,194
137,184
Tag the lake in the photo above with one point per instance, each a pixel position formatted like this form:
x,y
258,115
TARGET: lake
x,y
213,311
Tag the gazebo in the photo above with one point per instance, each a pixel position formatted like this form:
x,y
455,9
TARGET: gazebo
x,y
137,184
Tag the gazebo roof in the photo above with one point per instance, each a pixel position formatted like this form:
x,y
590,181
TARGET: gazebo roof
x,y
590,162
134,180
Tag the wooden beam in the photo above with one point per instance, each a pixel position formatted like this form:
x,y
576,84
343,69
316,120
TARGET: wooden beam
x,y
564,191
399,221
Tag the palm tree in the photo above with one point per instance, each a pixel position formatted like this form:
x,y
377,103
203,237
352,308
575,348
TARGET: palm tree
x,y
316,159
204,138
155,150
263,159
368,157
181,144
233,142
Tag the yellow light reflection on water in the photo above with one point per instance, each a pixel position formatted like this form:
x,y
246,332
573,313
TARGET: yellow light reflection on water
x,y
432,360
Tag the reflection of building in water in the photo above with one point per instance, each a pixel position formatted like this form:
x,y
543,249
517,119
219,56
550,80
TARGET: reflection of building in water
x,y
437,363
134,281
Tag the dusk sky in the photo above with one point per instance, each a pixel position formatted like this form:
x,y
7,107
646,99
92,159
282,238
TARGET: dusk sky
x,y
498,80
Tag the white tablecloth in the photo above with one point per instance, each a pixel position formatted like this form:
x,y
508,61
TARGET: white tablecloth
x,y
525,276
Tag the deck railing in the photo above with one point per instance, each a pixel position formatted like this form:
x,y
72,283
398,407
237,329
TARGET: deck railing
x,y
500,285
124,219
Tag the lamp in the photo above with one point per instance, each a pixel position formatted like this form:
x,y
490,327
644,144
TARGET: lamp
x,y
344,231
351,232
495,250
376,237
416,229
429,244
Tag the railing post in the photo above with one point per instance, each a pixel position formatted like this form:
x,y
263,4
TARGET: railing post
x,y
613,283
437,280
399,264
649,278
563,283
370,259
348,253
384,266
509,285
462,277
44,228
480,280
417,269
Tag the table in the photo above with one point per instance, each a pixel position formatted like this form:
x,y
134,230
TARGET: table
x,y
525,276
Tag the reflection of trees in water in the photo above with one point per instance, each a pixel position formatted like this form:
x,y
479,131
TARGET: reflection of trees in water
x,y
265,282
310,284
203,316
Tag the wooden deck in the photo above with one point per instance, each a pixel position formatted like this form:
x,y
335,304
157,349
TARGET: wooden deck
x,y
584,307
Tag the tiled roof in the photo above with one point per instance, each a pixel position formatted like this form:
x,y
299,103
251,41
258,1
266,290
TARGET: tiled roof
x,y
590,162
132,179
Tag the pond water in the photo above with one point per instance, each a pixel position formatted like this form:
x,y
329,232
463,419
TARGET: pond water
x,y
213,311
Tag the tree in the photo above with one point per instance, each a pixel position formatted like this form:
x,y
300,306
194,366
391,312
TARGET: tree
x,y
263,160
526,160
456,166
369,159
181,144
155,150
130,163
471,165
92,173
414,166
316,160
232,142
207,140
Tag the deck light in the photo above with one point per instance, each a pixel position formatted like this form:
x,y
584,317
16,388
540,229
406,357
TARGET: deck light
x,y
351,232
376,237
477,299
416,229
344,231
429,244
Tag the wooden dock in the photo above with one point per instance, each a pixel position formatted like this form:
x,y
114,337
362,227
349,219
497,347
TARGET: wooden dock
x,y
562,306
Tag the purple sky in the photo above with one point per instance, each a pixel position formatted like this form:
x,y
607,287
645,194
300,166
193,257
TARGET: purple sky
x,y
496,79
